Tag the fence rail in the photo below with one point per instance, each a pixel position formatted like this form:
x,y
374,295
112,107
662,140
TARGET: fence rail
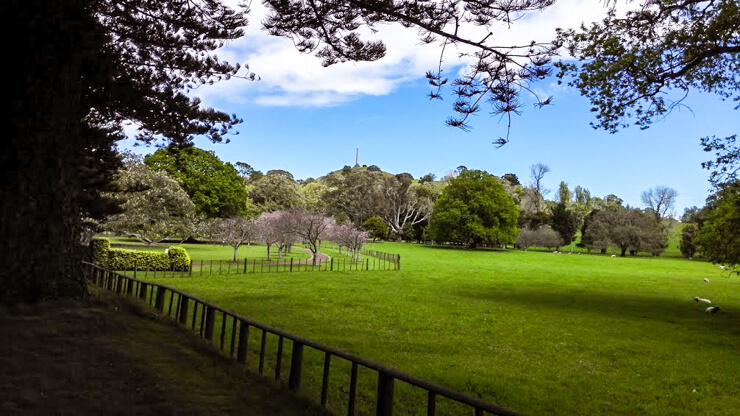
x,y
390,257
230,334
262,265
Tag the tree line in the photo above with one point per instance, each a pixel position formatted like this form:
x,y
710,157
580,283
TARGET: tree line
x,y
188,192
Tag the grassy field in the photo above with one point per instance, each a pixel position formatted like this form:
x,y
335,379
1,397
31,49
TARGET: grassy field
x,y
536,332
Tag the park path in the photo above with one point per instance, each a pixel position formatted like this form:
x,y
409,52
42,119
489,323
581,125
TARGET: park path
x,y
321,258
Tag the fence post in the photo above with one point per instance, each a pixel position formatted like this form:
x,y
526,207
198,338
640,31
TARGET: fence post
x,y
296,367
367,264
398,265
142,290
332,265
241,352
291,264
190,270
183,309
385,395
159,302
210,320
119,283
245,265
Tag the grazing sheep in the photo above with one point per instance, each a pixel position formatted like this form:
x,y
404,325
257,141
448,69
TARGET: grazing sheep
x,y
713,309
724,267
697,300
706,280
614,255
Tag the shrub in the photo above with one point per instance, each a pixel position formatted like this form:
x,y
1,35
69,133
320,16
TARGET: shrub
x,y
179,258
176,258
99,248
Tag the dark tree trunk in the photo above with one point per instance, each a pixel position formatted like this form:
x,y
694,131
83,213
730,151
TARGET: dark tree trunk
x,y
624,252
44,166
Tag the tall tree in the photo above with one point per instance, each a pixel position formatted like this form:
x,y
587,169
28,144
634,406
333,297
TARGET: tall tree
x,y
718,237
564,194
233,231
660,200
475,209
357,193
310,228
154,205
537,173
564,222
274,192
215,187
405,202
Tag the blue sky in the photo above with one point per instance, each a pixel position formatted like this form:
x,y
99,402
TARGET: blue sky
x,y
308,120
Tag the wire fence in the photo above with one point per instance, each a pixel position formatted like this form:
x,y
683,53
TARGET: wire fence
x,y
334,378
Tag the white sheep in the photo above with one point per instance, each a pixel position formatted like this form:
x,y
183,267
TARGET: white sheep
x,y
697,300
724,267
706,280
614,255
712,309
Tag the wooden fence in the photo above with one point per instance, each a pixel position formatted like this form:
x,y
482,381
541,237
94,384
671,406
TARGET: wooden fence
x,y
230,333
284,265
389,257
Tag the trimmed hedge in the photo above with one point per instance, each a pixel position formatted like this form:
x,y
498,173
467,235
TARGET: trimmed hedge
x,y
173,259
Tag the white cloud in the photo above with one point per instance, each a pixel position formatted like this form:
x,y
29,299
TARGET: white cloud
x,y
289,78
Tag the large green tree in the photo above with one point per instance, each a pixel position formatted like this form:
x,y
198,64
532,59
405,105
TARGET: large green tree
x,y
154,205
276,191
475,209
565,222
215,187
719,239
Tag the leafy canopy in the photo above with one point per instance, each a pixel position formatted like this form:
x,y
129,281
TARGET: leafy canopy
x,y
215,187
475,209
628,65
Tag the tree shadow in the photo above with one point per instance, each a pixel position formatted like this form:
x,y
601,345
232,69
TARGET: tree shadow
x,y
613,305
466,249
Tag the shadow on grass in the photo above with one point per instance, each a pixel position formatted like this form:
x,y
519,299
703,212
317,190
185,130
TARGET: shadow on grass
x,y
463,248
627,306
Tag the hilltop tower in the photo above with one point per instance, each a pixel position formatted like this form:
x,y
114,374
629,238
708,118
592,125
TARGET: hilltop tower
x,y
357,157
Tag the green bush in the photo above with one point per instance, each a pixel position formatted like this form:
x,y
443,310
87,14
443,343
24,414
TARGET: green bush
x,y
99,248
175,258
179,258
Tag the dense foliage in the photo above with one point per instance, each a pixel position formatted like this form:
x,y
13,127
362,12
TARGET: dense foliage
x,y
719,239
173,259
215,187
626,229
628,64
154,205
474,210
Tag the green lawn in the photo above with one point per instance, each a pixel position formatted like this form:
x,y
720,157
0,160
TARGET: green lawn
x,y
537,332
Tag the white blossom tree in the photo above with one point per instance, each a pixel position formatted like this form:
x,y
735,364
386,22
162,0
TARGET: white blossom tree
x,y
311,228
268,228
349,236
233,231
